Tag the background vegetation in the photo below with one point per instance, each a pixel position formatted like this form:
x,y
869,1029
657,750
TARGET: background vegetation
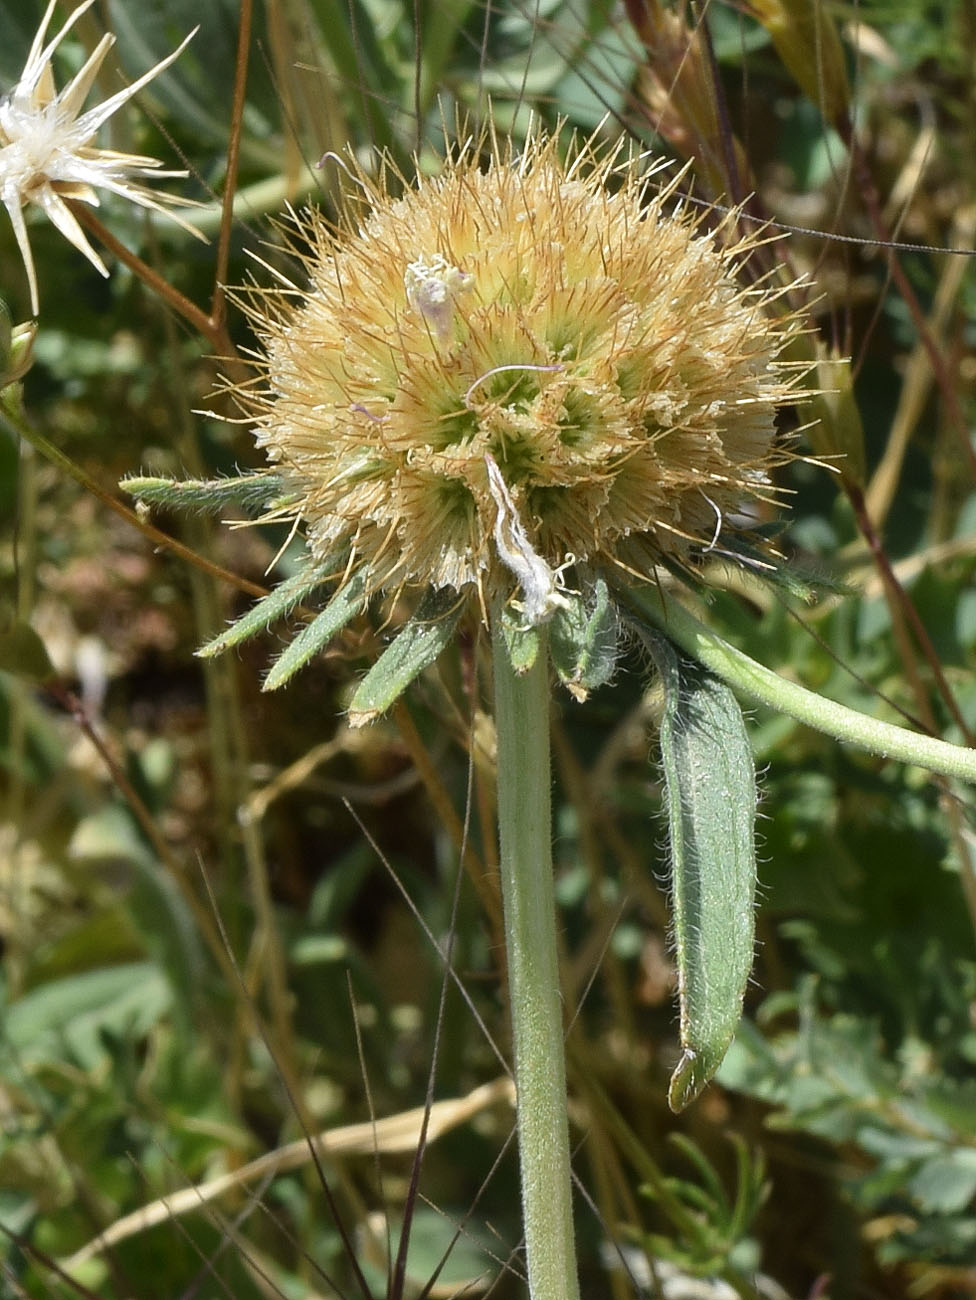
x,y
223,913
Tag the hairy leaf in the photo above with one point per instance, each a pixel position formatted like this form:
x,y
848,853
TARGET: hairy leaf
x,y
348,601
285,596
417,646
583,641
207,496
711,796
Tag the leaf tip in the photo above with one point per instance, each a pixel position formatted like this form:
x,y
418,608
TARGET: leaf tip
x,y
687,1081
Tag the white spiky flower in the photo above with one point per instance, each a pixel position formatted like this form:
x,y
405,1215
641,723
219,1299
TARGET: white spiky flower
x,y
46,152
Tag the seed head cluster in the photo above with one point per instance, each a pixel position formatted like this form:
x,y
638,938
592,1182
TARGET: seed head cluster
x,y
530,348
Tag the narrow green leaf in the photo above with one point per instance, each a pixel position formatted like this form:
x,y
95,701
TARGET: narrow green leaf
x,y
348,601
444,24
348,33
417,646
711,799
261,615
207,496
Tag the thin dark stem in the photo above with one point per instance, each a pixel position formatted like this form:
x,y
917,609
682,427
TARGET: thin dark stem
x,y
869,192
907,607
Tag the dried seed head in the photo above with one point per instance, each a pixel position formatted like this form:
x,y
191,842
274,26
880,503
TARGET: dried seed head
x,y
530,349
47,155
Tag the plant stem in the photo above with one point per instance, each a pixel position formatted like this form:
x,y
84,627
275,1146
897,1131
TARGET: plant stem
x,y
525,835
769,688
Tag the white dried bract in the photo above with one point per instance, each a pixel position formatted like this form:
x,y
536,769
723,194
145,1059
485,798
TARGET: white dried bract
x,y
541,596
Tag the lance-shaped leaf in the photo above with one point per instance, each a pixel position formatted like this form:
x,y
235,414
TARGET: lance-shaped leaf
x,y
276,604
208,496
348,601
710,789
415,648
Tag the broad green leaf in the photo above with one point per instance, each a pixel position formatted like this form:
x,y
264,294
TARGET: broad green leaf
x,y
279,602
348,601
710,789
583,641
415,648
162,917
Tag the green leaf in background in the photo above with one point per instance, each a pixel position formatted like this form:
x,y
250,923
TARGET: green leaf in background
x,y
76,1012
837,1079
152,898
711,800
147,32
432,1237
946,1185
22,653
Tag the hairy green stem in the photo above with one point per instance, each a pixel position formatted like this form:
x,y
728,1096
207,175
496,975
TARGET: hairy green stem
x,y
763,685
525,841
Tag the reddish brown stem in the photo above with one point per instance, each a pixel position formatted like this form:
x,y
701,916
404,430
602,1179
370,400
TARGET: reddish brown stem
x,y
907,607
869,191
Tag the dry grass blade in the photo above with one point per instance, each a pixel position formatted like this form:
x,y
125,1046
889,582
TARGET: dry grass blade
x,y
396,1135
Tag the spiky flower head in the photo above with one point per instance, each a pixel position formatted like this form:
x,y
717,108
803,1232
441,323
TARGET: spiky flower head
x,y
518,368
507,389
46,152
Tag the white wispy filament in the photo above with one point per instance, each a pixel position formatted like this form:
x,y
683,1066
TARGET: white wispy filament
x,y
540,584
